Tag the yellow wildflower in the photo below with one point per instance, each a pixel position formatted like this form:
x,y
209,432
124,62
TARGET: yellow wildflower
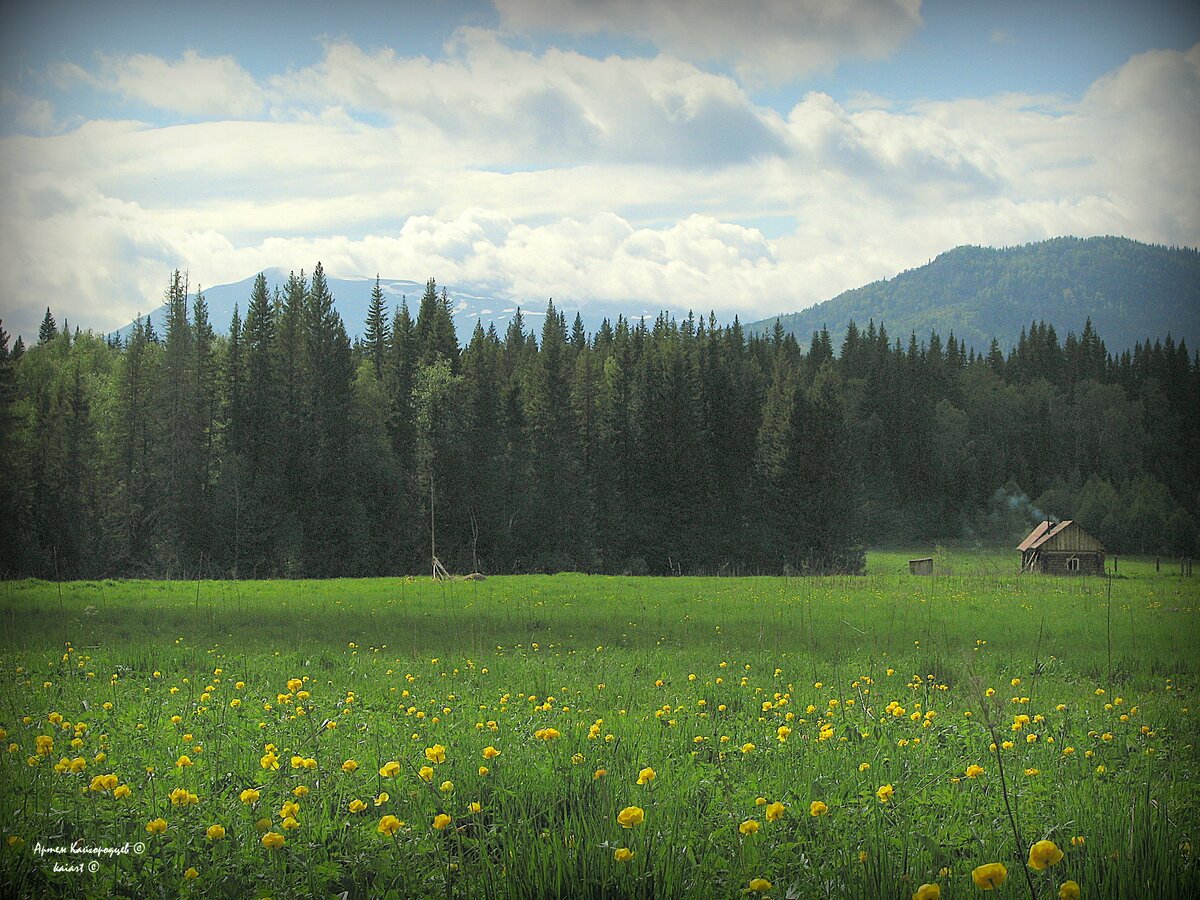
x,y
990,876
273,840
631,816
1043,854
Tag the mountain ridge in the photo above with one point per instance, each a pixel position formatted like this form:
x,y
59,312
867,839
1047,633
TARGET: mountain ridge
x,y
352,296
1131,291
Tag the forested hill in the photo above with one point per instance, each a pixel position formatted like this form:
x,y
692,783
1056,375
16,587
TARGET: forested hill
x,y
283,448
1131,291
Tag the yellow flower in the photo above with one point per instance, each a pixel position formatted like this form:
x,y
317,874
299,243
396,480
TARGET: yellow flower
x,y
974,771
301,790
1043,854
599,773
817,808
390,768
928,892
1068,890
750,826
775,812
262,825
441,820
357,806
484,771
990,876
447,787
863,767
289,823
349,766
426,773
646,775
622,854
269,761
273,840
215,832
191,873
474,806
156,826
121,791
290,808
249,796
490,752
547,734
436,753
382,798
103,783
183,797
782,733
389,825
759,886
748,748
885,793
631,816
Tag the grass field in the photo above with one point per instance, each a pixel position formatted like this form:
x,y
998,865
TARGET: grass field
x,y
807,737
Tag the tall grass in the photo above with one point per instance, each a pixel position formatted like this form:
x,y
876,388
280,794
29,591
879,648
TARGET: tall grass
x,y
882,680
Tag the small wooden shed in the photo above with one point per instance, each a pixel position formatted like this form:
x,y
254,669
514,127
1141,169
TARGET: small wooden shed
x,y
1061,548
921,566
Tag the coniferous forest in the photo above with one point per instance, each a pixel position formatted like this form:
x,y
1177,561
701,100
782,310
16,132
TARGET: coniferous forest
x,y
285,449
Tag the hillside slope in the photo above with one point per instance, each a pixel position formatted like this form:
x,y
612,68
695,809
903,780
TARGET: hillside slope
x,y
1131,291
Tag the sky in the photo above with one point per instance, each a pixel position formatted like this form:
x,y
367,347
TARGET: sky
x,y
750,158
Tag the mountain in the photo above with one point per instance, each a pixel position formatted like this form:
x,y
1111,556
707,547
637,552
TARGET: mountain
x,y
1131,292
352,297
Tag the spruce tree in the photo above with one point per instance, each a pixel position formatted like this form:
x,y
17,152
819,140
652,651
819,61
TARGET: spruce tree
x,y
49,329
376,340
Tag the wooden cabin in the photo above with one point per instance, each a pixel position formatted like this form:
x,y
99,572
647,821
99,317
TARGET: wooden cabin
x,y
921,566
1061,548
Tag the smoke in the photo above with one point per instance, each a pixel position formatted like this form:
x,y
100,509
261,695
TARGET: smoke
x,y
1019,502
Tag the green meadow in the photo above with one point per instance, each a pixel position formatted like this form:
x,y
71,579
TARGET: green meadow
x,y
587,736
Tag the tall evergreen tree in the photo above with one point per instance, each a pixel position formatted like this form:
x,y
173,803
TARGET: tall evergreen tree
x,y
376,340
49,329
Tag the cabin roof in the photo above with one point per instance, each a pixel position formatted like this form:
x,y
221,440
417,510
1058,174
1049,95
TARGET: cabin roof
x,y
1044,532
1041,534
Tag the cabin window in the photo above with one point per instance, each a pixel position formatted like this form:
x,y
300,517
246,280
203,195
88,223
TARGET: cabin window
x,y
1073,564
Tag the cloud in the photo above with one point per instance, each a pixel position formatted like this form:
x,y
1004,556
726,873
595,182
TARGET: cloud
x,y
28,114
763,40
507,106
412,167
193,85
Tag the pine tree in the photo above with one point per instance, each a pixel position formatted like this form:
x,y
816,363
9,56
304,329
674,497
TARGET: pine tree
x,y
49,330
376,340
327,517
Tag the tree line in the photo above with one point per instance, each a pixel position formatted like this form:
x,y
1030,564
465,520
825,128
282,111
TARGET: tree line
x,y
284,448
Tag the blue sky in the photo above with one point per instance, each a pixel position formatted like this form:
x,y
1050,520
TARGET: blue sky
x,y
751,158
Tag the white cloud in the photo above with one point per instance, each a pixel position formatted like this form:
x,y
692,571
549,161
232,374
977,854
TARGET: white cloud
x,y
506,106
29,114
762,39
442,183
193,85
